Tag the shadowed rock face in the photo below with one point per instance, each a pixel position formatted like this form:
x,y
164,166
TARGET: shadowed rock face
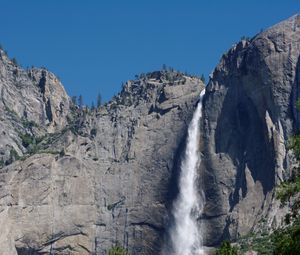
x,y
248,117
102,177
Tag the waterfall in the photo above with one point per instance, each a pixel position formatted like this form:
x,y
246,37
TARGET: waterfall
x,y
185,235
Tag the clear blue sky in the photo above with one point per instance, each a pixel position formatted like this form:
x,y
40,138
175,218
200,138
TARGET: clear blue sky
x,y
94,46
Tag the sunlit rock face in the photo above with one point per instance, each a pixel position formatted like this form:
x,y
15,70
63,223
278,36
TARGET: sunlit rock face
x,y
95,179
31,101
249,115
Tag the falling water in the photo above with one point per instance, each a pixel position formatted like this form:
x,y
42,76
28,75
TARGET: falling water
x,y
186,237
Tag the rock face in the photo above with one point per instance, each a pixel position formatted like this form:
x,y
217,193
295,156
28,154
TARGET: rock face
x,y
99,179
249,114
32,102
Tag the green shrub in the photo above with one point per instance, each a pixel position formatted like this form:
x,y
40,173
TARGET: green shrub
x,y
117,250
226,249
28,123
288,189
287,242
283,241
27,140
262,245
294,144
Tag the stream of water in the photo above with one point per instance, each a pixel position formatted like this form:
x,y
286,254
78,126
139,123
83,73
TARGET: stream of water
x,y
186,235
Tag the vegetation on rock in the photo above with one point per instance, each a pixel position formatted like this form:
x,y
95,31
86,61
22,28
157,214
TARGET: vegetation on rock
x,y
288,189
287,241
117,250
226,249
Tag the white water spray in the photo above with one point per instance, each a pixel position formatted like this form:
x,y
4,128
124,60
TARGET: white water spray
x,y
186,237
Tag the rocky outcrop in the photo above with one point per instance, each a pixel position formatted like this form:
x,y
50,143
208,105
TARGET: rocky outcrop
x,y
31,101
102,179
249,114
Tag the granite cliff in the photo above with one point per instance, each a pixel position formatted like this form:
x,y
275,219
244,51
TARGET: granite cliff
x,y
75,181
250,114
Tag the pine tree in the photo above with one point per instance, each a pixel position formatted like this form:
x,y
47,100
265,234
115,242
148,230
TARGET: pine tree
x,y
202,78
15,62
80,101
99,100
93,106
74,100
